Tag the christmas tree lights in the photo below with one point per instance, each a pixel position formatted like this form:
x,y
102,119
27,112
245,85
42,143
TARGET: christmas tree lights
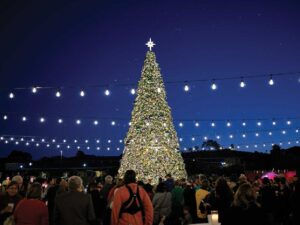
x,y
151,145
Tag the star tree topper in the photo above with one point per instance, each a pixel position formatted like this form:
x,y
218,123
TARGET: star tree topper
x,y
150,44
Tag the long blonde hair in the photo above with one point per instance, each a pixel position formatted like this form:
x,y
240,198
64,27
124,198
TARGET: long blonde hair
x,y
245,196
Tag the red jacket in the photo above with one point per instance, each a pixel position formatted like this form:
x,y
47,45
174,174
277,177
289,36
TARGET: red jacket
x,y
31,212
121,196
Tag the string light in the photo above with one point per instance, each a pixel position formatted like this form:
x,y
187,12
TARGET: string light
x,y
271,81
132,91
181,124
113,123
213,124
5,117
186,88
58,94
196,124
158,90
228,124
60,121
107,92
34,90
42,119
96,122
283,132
24,119
242,83
78,122
288,122
213,85
82,93
11,95
244,124
259,123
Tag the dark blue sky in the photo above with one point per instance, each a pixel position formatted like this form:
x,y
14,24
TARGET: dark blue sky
x,y
78,44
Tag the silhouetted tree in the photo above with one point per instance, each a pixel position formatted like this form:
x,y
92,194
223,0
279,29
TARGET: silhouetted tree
x,y
211,144
19,156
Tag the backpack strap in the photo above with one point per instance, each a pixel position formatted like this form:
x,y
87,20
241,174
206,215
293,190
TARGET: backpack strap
x,y
140,202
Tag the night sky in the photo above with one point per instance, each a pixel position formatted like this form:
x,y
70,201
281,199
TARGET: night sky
x,y
94,45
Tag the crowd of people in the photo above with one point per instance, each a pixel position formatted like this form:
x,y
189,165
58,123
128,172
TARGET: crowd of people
x,y
113,201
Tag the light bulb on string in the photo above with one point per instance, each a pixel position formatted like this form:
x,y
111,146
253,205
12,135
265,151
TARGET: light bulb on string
x,y
186,87
96,122
231,136
256,134
297,131
107,92
5,117
274,123
288,122
283,132
228,124
98,148
82,93
60,121
213,85
197,124
113,123
270,133
213,124
58,94
97,141
42,120
181,124
244,124
34,90
271,81
11,95
244,135
24,119
242,83
78,122
259,123
132,91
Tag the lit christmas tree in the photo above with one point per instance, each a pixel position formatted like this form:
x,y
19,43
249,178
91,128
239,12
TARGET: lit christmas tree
x,y
151,145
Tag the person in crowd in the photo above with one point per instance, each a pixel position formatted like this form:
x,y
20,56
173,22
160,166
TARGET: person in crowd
x,y
242,179
32,210
162,203
149,188
50,197
283,202
177,203
267,199
169,182
245,210
187,217
221,198
74,206
105,209
190,200
94,192
198,181
201,196
9,201
22,187
295,204
131,204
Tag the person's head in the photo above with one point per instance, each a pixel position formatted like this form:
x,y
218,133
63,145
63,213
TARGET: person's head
x,y
108,179
205,184
75,183
242,178
265,181
129,177
222,188
244,196
92,187
12,188
161,187
35,191
18,179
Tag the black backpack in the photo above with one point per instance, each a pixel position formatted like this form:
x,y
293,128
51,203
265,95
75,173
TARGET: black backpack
x,y
131,206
